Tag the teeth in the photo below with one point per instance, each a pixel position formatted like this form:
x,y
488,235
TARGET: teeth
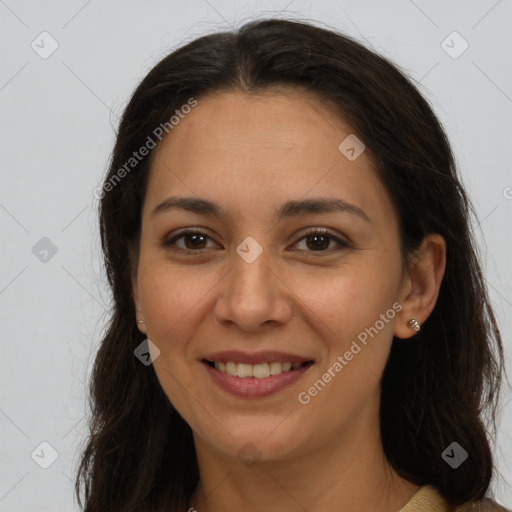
x,y
230,368
244,370
258,371
275,368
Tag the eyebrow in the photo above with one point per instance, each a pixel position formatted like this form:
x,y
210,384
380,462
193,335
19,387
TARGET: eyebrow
x,y
286,210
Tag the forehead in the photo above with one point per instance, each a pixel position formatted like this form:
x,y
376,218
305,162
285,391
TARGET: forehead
x,y
254,150
277,118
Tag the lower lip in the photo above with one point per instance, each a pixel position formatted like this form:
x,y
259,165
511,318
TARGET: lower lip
x,y
252,387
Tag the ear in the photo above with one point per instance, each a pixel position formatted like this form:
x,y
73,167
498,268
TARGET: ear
x,y
420,287
139,315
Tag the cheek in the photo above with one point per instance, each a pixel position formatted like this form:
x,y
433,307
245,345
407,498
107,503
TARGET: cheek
x,y
346,301
172,301
169,296
176,301
353,310
353,317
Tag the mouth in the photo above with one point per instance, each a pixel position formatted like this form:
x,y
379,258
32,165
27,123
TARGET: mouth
x,y
254,376
256,371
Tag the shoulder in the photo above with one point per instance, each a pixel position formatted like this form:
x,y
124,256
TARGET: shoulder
x,y
484,505
428,498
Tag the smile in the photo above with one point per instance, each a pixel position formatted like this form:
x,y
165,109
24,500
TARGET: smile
x,y
257,371
258,380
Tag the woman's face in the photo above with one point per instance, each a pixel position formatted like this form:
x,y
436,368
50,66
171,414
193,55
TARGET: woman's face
x,y
260,285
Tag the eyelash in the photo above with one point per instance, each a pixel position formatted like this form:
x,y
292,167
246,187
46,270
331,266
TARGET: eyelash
x,y
342,244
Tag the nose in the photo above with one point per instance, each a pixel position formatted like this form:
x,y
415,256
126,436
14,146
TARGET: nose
x,y
253,295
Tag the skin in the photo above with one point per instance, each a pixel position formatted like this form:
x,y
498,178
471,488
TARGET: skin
x,y
249,154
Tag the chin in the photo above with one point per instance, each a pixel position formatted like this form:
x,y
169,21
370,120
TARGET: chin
x,y
252,441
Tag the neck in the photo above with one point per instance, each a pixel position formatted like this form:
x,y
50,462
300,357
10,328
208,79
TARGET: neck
x,y
350,473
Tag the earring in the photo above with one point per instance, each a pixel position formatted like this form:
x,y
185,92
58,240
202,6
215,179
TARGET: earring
x,y
414,324
141,322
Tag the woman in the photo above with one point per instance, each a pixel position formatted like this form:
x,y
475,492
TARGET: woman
x,y
289,245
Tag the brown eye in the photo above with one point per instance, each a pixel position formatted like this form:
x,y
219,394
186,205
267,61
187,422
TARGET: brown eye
x,y
194,241
319,241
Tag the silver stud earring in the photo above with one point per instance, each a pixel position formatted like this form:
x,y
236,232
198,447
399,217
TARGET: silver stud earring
x,y
414,324
141,322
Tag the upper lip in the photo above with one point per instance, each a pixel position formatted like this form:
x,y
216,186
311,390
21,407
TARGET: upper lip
x,y
265,356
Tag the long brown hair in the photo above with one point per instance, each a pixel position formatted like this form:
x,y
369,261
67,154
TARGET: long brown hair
x,y
441,387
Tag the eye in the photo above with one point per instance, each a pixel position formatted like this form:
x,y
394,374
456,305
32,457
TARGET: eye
x,y
321,239
195,241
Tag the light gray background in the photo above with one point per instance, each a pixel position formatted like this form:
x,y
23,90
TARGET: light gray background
x,y
58,120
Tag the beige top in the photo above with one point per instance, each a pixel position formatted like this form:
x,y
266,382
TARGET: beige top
x,y
428,499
